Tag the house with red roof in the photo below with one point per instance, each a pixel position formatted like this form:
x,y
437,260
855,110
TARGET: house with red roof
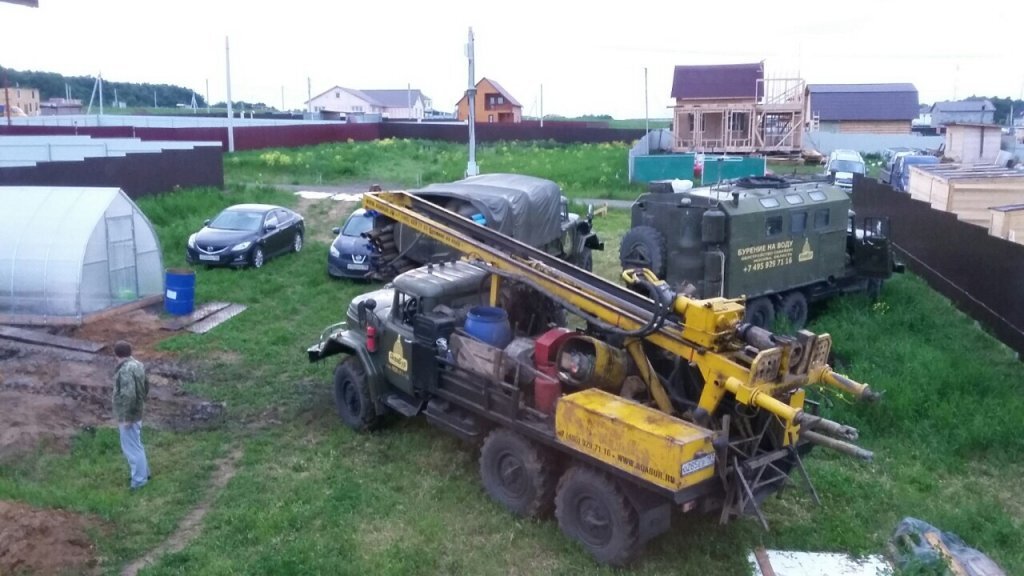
x,y
493,104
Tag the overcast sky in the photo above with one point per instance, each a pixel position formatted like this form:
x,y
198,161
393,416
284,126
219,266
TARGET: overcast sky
x,y
589,56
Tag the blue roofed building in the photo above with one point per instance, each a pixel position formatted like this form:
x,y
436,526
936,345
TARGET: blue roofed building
x,y
862,108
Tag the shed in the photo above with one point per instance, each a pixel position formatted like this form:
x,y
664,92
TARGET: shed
x,y
1008,222
70,253
965,190
970,143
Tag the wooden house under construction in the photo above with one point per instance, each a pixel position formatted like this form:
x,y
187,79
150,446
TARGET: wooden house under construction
x,y
733,109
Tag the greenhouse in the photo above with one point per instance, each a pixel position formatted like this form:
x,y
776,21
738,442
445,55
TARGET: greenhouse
x,y
69,252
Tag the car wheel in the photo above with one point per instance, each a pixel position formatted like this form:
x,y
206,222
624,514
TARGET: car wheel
x,y
297,242
257,258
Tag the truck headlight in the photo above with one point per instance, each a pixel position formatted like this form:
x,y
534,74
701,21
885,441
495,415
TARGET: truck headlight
x,y
335,252
241,246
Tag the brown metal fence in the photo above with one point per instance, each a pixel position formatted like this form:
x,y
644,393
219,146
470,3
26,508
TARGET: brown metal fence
x,y
137,174
983,275
293,135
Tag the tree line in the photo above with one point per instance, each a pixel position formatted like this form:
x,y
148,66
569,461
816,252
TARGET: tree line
x,y
53,85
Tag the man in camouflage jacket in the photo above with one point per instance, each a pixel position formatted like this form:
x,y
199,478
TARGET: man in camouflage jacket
x,y
130,390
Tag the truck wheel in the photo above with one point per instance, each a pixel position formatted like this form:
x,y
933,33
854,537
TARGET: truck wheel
x,y
794,309
643,247
352,396
517,474
760,312
587,260
593,510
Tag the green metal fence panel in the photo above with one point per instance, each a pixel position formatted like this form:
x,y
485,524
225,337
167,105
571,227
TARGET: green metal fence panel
x,y
718,168
663,167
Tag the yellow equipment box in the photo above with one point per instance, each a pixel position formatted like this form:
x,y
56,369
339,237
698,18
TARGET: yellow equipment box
x,y
643,441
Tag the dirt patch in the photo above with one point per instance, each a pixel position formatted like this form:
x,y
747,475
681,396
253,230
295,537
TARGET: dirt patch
x,y
38,541
139,327
49,394
191,524
323,214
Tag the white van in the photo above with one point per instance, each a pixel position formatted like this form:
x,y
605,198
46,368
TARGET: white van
x,y
842,165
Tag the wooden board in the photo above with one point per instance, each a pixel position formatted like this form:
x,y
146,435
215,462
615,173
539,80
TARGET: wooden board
x,y
215,319
175,324
36,337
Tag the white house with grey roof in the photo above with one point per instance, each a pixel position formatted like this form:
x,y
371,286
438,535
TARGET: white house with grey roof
x,y
407,104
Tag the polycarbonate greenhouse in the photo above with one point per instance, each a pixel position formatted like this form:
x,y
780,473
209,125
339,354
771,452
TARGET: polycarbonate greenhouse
x,y
68,252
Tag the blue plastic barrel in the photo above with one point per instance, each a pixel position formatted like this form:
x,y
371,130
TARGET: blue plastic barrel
x,y
489,325
180,291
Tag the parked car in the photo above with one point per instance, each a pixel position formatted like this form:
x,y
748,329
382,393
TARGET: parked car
x,y
901,171
246,235
842,165
352,255
889,156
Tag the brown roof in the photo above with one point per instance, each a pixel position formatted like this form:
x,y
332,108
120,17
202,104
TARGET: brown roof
x,y
502,91
718,81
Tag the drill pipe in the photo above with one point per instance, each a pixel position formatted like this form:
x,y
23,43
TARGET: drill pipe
x,y
837,445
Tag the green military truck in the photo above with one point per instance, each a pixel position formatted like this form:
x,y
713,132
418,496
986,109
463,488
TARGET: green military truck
x,y
783,244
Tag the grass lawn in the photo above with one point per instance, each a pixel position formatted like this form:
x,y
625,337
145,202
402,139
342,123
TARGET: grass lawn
x,y
312,497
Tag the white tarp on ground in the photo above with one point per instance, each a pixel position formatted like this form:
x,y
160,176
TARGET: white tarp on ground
x,y
785,563
71,251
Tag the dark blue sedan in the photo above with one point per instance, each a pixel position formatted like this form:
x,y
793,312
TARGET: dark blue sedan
x,y
351,255
246,235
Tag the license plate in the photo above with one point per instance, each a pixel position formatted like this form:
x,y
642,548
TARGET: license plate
x,y
209,257
358,266
697,464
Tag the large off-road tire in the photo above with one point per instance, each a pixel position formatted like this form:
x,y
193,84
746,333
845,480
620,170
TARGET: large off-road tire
x,y
517,474
794,309
760,312
592,509
257,258
643,247
352,396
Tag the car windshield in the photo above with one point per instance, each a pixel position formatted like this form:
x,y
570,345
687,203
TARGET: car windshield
x,y
847,166
238,220
357,224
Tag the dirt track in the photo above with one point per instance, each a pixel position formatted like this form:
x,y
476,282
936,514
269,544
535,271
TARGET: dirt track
x,y
38,541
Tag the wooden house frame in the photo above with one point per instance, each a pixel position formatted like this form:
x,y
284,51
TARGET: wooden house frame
x,y
734,109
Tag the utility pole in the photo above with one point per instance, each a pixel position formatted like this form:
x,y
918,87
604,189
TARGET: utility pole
x,y
541,105
282,97
231,121
309,96
100,80
207,95
7,99
471,168
154,98
647,115
408,98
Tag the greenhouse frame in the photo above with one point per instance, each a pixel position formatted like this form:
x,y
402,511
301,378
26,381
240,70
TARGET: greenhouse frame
x,y
68,254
